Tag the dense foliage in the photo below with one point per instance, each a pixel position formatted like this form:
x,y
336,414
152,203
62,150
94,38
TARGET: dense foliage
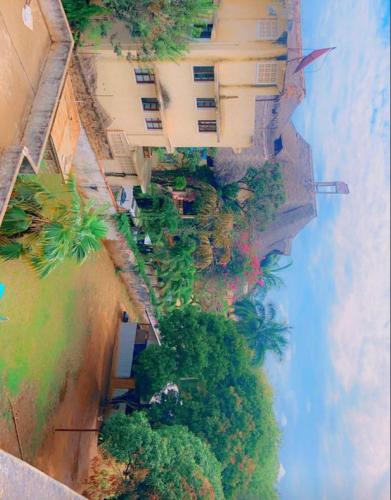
x,y
265,188
48,222
222,398
172,249
164,27
80,14
168,462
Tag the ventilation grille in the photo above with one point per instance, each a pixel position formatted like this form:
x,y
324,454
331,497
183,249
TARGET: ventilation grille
x,y
267,29
266,73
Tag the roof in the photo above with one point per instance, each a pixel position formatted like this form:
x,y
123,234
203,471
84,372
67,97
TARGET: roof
x,y
300,206
19,479
276,139
125,350
51,60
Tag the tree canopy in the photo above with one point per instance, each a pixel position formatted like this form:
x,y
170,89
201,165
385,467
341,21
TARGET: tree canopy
x,y
48,221
266,193
169,462
221,395
164,27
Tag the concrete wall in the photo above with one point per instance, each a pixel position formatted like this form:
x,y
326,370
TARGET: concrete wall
x,y
44,55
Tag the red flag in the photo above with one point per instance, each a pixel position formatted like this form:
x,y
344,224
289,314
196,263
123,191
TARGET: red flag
x,y
308,59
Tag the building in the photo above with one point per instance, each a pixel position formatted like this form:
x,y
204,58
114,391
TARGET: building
x,y
39,125
205,98
132,338
277,140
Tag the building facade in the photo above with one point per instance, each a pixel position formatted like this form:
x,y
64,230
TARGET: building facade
x,y
207,97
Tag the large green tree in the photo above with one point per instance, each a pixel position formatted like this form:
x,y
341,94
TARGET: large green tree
x,y
164,27
265,194
48,221
221,396
168,462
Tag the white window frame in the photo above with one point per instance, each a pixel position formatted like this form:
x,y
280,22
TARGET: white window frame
x,y
267,29
273,70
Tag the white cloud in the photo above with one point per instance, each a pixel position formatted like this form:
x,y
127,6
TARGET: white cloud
x,y
351,113
284,420
281,473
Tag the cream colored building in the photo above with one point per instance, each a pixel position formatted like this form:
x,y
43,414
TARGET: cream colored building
x,y
205,98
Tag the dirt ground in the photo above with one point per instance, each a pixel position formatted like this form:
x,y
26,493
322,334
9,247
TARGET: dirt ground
x,y
22,55
80,377
66,455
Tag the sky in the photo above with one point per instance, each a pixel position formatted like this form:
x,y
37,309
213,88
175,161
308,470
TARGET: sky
x,y
332,391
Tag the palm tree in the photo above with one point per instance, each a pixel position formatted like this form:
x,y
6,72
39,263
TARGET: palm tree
x,y
176,270
270,268
259,325
47,225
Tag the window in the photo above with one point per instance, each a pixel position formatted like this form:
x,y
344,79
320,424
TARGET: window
x,y
153,123
144,75
203,31
278,145
266,73
206,102
204,73
150,104
207,126
267,29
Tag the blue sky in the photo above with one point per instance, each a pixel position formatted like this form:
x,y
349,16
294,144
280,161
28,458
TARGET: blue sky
x,y
333,390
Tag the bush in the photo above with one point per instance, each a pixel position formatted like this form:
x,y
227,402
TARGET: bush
x,y
169,462
80,13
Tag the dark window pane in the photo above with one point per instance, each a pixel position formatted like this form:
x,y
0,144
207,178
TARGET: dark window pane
x,y
150,104
144,75
153,123
203,30
206,102
203,73
207,126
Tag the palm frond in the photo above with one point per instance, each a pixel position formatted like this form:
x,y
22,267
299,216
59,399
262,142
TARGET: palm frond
x,y
11,251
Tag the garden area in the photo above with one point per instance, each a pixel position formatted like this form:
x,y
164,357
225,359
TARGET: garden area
x,y
202,398
201,233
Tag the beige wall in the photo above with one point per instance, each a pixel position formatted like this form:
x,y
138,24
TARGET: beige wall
x,y
234,51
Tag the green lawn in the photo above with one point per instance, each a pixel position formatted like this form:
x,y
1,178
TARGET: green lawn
x,y
48,321
41,324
